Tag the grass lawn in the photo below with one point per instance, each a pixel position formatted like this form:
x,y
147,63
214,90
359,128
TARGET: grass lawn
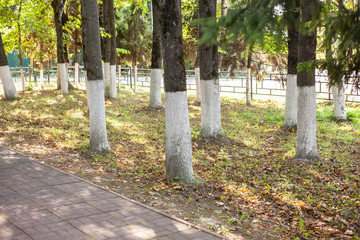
x,y
248,186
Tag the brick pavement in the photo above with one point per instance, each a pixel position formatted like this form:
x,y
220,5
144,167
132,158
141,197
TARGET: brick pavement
x,y
42,203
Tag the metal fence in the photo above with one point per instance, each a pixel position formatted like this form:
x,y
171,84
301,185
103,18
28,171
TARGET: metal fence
x,y
273,84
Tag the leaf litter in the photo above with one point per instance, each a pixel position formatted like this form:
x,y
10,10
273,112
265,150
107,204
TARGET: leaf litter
x,y
248,187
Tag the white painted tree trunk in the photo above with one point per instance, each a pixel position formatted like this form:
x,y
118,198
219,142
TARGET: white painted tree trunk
x,y
77,75
135,77
106,70
8,83
210,109
155,89
290,118
58,77
112,92
248,94
64,78
198,85
96,102
119,80
306,148
338,92
178,137
22,78
41,78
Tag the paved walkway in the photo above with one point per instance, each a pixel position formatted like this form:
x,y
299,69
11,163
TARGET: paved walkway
x,y
40,202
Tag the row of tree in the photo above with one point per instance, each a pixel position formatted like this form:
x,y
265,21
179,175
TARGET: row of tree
x,y
262,26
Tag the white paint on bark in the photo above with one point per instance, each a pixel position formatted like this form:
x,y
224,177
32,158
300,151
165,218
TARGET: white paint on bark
x,y
306,148
198,85
77,75
248,79
112,92
178,137
58,77
64,78
290,118
106,71
96,102
338,92
8,83
210,109
155,88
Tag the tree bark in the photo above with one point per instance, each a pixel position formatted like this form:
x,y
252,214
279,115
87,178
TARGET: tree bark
x,y
155,81
290,118
209,79
338,92
248,77
58,7
112,31
5,74
107,46
76,65
20,50
306,147
224,9
178,135
197,68
95,88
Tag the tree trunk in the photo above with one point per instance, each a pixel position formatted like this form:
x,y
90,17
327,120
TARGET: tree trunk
x,y
29,73
209,79
42,77
76,76
290,118
41,69
338,92
95,88
197,72
306,148
20,50
197,82
112,93
338,89
248,78
34,72
224,9
135,77
48,71
155,80
107,46
58,7
5,74
178,135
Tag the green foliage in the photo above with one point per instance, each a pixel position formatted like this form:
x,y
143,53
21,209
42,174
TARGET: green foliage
x,y
133,26
189,12
341,42
35,25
